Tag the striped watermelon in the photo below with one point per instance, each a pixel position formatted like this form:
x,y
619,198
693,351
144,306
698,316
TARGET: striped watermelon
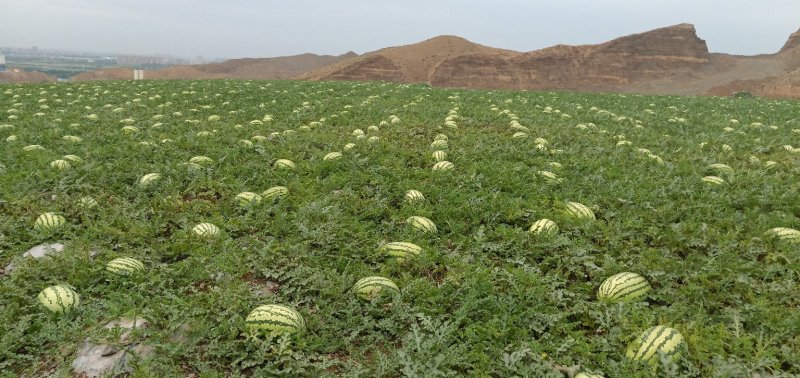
x,y
414,196
130,130
284,164
87,203
439,155
440,144
73,158
60,164
714,180
246,199
332,156
421,223
517,127
656,159
148,179
587,375
544,227
49,222
125,266
440,137
358,132
33,147
370,287
400,250
59,299
579,211
275,319
520,135
623,287
201,160
654,341
719,167
275,192
206,230
349,146
443,166
549,177
770,165
784,233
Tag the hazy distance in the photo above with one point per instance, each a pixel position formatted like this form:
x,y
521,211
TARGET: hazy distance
x,y
256,28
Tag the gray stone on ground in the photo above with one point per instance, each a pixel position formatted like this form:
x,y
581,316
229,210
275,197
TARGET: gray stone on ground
x,y
128,324
181,334
38,252
99,360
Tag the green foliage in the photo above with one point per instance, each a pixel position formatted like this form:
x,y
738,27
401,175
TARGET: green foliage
x,y
485,298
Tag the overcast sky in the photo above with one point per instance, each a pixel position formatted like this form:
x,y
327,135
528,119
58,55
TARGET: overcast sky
x,y
265,28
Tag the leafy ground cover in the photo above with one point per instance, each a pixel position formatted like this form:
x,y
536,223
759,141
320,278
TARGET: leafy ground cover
x,y
485,297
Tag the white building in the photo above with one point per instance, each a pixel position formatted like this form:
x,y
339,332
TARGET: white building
x,y
2,62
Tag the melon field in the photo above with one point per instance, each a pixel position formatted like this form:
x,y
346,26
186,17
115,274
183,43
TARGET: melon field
x,y
479,225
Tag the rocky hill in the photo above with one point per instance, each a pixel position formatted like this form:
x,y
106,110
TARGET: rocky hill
x,y
670,60
408,64
669,53
279,68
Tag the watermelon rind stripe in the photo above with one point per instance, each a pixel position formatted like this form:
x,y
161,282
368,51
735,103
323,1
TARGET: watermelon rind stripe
x,y
658,343
631,290
646,342
617,280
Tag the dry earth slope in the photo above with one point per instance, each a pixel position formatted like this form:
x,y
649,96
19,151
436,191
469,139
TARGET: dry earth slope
x,y
280,68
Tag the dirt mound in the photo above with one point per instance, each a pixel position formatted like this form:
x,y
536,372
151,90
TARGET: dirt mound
x,y
409,63
280,68
25,77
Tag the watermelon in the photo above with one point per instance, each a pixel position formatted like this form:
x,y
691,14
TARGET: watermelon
x,y
332,156
654,341
125,266
623,287
414,196
275,319
785,234
284,164
443,166
544,227
714,180
247,199
48,222
421,223
59,299
579,211
206,230
371,287
275,192
400,250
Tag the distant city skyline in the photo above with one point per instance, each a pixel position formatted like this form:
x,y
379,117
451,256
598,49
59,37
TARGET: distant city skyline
x,y
249,28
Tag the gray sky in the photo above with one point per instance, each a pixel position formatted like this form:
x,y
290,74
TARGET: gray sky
x,y
265,28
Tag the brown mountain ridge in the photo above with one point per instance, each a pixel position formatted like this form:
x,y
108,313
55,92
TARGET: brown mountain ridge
x,y
669,60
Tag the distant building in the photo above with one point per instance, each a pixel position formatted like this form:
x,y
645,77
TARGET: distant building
x,y
140,61
2,62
